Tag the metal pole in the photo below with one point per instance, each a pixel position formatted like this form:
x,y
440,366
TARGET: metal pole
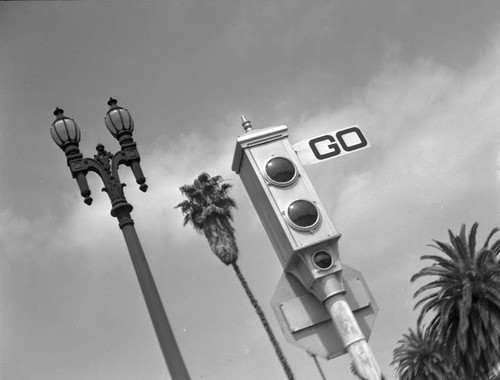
x,y
66,135
318,366
166,338
354,341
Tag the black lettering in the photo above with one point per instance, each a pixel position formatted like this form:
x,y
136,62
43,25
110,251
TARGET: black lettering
x,y
335,152
340,137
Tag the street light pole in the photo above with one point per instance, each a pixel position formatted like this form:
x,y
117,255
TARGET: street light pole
x,y
66,135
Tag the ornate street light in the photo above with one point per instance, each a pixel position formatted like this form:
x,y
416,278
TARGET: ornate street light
x,y
66,135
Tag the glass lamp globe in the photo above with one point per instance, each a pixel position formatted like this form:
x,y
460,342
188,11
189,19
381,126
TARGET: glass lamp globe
x,y
64,130
118,119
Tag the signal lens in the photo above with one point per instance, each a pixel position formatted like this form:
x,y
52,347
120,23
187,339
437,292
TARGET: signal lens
x,y
322,260
280,171
303,214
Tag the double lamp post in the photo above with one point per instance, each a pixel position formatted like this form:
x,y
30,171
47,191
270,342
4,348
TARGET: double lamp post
x,y
66,135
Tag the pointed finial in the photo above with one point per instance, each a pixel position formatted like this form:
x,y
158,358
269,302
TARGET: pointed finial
x,y
58,112
112,102
246,123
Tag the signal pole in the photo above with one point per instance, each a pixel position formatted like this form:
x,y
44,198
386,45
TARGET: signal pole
x,y
353,339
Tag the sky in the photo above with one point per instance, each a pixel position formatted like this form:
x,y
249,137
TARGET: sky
x,y
421,79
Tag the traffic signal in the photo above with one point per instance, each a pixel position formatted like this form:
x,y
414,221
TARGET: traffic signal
x,y
300,230
313,298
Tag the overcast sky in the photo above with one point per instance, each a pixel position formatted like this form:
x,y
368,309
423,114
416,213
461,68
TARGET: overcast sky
x,y
421,79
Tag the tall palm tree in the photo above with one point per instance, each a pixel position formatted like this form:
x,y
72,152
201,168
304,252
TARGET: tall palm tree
x,y
464,302
208,209
419,357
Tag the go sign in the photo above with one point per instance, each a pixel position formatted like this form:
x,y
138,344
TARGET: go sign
x,y
331,145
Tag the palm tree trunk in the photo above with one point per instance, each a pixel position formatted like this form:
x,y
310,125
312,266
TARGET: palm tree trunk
x,y
264,321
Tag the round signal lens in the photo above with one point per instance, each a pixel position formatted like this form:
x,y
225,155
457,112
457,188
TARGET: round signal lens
x,y
303,214
322,260
280,171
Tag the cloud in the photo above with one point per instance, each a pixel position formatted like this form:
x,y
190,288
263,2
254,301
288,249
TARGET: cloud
x,y
433,131
170,163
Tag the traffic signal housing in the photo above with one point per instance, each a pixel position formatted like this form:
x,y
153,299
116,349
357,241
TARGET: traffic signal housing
x,y
300,230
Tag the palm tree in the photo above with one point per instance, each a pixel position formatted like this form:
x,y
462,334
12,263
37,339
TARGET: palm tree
x,y
419,357
464,302
208,209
